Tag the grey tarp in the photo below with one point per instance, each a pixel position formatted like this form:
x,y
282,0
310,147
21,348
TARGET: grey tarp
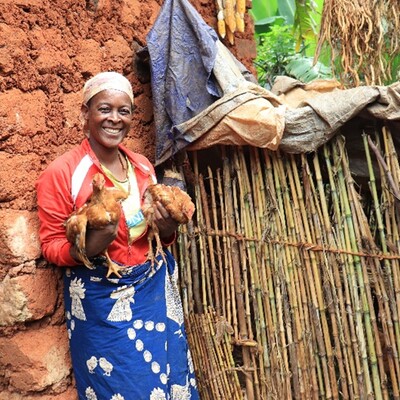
x,y
198,84
204,96
312,117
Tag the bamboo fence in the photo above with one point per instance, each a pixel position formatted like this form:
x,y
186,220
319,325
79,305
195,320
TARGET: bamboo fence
x,y
290,274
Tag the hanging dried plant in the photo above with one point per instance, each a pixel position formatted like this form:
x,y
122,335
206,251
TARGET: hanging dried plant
x,y
363,38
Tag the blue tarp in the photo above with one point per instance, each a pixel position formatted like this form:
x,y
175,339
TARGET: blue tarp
x,y
182,49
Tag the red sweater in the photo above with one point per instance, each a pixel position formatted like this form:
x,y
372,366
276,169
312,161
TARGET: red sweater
x,y
65,186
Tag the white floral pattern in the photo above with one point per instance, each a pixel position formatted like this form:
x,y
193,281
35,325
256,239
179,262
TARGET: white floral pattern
x,y
91,364
174,307
158,394
179,392
149,319
90,394
118,397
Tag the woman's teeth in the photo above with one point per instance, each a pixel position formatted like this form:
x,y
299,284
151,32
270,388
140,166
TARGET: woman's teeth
x,y
112,131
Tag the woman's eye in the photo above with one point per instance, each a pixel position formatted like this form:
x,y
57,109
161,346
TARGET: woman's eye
x,y
125,111
104,110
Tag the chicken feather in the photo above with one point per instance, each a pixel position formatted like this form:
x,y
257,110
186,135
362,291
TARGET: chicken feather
x,y
178,204
102,208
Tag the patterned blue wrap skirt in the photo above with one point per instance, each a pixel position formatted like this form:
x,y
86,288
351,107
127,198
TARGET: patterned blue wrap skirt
x,y
127,335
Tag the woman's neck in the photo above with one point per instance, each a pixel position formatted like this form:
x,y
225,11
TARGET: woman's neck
x,y
113,159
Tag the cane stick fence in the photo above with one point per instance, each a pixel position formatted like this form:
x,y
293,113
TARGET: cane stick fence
x,y
290,274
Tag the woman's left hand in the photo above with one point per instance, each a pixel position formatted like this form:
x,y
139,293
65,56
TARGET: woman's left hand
x,y
165,223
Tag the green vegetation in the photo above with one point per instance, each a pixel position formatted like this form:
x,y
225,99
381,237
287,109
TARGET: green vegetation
x,y
286,35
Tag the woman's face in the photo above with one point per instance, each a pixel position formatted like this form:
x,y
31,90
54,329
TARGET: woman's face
x,y
108,118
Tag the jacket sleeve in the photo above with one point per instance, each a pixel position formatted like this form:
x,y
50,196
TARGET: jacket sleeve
x,y
55,204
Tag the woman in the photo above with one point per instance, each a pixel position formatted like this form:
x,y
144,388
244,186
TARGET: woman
x,y
127,336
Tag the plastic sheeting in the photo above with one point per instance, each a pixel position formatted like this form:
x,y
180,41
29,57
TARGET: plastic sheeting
x,y
182,54
203,96
315,112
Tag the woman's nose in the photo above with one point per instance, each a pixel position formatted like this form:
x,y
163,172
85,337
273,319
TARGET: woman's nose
x,y
114,116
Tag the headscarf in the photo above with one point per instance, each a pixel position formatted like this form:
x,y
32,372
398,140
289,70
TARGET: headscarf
x,y
105,81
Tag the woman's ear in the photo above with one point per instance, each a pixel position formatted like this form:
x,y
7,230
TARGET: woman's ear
x,y
84,119
84,111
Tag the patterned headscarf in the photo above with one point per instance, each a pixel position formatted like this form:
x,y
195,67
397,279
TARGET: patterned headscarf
x,y
105,81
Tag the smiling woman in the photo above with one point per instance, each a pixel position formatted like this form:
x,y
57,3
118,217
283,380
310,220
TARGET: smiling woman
x,y
108,117
127,336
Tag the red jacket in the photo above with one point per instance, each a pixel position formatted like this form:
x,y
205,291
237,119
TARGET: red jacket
x,y
65,186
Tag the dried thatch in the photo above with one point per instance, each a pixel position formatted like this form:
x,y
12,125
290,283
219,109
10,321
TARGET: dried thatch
x,y
290,273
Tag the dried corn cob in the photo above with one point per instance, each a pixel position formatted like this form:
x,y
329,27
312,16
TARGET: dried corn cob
x,y
220,19
230,36
241,7
229,11
240,10
239,22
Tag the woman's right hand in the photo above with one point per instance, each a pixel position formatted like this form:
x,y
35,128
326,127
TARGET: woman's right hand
x,y
97,240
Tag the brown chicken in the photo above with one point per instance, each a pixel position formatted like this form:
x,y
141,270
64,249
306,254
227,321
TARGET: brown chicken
x,y
176,201
101,209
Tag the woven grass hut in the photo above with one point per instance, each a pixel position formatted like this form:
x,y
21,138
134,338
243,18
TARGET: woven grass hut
x,y
291,279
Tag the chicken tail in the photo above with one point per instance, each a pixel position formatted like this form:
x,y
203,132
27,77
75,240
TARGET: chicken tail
x,y
81,254
80,246
75,230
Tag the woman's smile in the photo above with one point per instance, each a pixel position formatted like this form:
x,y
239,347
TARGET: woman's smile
x,y
108,118
112,131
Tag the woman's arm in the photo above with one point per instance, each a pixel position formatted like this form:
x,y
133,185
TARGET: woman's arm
x,y
97,240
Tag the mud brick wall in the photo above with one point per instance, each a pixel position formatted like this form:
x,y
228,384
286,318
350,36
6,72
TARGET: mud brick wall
x,y
48,48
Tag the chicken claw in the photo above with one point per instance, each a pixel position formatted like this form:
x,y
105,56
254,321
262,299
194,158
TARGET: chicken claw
x,y
113,268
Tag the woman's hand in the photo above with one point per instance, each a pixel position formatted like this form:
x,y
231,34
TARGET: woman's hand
x,y
97,240
165,223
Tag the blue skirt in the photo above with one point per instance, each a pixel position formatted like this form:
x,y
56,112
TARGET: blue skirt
x,y
127,335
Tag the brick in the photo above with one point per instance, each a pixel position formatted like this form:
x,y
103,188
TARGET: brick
x,y
23,112
51,60
130,12
12,37
36,359
69,394
18,176
88,58
25,3
19,238
14,303
115,52
39,292
28,297
144,107
72,109
245,49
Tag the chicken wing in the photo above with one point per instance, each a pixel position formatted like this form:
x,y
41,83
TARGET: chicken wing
x,y
176,201
101,209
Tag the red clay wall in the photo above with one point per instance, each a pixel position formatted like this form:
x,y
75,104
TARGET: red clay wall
x,y
48,48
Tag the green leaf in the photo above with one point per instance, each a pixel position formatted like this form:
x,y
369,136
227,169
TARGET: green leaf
x,y
287,8
304,21
302,68
263,9
264,25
